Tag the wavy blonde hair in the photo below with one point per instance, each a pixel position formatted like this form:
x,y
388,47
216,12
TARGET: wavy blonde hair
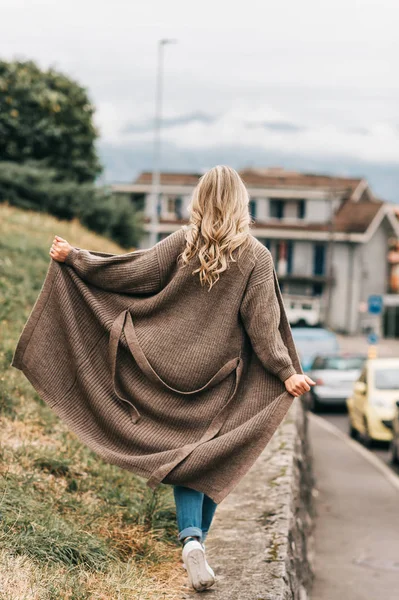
x,y
219,223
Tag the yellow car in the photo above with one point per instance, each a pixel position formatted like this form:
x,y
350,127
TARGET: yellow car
x,y
371,406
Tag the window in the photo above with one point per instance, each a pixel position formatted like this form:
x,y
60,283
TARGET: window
x,y
301,206
174,205
386,379
319,259
290,250
339,363
171,205
317,289
252,208
138,201
179,208
277,209
266,242
281,250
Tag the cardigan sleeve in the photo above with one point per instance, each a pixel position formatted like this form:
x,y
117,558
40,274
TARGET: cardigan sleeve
x,y
260,312
133,272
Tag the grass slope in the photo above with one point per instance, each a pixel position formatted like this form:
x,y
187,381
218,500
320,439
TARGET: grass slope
x,y
72,526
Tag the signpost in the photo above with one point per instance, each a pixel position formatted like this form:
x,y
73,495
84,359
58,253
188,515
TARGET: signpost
x,y
372,338
375,306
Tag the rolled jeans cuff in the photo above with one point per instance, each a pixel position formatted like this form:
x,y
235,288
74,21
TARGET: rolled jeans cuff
x,y
194,531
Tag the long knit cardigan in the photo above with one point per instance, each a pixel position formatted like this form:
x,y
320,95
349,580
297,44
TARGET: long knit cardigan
x,y
156,374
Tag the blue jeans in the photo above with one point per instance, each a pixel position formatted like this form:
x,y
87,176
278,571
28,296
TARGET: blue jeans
x,y
194,512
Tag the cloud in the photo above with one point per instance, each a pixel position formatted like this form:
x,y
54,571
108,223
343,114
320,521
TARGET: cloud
x,y
277,126
321,83
270,129
168,122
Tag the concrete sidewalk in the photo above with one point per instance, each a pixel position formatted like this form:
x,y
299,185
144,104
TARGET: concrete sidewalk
x,y
357,523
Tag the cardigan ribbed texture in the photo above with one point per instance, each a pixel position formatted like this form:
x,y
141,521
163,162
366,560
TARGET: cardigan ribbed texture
x,y
156,373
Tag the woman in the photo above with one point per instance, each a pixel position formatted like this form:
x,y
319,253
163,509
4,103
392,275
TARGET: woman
x,y
215,367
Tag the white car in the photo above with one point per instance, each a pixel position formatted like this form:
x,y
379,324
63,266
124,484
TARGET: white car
x,y
334,375
302,310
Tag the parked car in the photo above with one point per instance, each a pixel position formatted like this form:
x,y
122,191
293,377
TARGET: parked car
x,y
334,375
302,310
314,341
371,405
394,447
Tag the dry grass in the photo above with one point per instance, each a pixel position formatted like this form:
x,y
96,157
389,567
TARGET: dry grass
x,y
72,526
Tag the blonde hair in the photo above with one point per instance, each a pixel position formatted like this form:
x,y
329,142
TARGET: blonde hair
x,y
219,223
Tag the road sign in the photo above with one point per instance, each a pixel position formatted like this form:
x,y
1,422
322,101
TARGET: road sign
x,y
375,304
372,338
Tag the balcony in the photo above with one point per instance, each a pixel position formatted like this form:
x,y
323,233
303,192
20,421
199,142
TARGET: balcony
x,y
300,278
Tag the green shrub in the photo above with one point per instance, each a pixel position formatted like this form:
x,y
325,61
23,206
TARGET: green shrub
x,y
34,186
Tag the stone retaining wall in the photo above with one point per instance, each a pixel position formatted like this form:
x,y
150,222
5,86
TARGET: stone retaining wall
x,y
261,544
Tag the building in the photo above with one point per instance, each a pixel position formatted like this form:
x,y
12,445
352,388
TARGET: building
x,y
329,236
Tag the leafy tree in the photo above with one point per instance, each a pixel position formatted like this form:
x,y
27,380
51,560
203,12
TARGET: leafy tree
x,y
31,186
46,116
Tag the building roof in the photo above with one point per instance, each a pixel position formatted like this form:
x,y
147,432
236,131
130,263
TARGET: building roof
x,y
169,178
279,177
267,177
356,217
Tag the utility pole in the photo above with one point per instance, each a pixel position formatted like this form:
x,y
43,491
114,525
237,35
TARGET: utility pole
x,y
330,255
156,172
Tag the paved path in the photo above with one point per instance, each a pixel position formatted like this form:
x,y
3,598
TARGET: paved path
x,y
386,347
340,420
357,527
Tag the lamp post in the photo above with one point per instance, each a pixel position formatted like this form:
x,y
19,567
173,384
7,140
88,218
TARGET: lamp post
x,y
156,172
330,255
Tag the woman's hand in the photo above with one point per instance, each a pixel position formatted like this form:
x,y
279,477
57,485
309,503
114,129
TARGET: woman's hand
x,y
298,384
60,249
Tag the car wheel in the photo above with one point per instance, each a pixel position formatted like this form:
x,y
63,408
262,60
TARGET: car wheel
x,y
314,404
394,453
366,437
353,433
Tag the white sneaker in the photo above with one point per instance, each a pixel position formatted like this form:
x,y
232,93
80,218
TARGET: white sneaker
x,y
203,545
200,574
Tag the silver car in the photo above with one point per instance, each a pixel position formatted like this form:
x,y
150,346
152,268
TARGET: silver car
x,y
334,375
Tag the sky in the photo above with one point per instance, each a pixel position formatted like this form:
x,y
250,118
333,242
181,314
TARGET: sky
x,y
307,85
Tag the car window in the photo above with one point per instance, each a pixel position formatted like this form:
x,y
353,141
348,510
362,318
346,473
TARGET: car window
x,y
312,334
343,363
318,363
386,379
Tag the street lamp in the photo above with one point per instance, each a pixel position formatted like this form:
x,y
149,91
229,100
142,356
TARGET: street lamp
x,y
330,255
156,172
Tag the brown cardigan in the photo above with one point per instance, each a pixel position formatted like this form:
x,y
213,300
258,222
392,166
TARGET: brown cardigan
x,y
157,374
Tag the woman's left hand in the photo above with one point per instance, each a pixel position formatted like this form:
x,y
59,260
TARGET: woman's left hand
x,y
60,249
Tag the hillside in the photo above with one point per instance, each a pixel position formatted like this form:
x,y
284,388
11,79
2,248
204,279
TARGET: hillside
x,y
73,527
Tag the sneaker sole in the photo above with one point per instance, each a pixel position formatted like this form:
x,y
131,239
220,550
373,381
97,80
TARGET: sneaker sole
x,y
198,574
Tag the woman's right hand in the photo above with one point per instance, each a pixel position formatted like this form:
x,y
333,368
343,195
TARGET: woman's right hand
x,y
298,384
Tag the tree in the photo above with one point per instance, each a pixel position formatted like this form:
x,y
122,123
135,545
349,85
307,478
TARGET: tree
x,y
46,116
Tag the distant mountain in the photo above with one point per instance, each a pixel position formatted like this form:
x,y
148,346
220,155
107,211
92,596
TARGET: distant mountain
x,y
124,162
